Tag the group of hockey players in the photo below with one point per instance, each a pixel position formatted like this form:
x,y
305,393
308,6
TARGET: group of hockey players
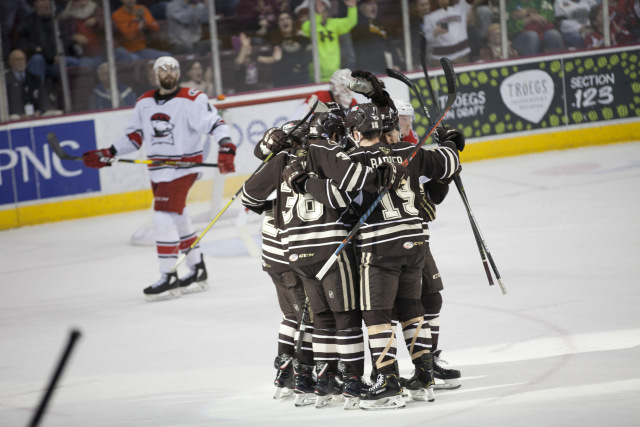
x,y
318,180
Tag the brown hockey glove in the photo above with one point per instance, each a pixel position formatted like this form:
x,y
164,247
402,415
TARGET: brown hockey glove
x,y
446,133
295,176
374,88
274,141
392,174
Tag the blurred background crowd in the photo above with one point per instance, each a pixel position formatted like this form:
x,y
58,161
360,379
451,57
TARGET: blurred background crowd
x,y
62,56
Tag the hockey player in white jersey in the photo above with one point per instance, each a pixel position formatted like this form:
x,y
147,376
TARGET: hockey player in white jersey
x,y
170,121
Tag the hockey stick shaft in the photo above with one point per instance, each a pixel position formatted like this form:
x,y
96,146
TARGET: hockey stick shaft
x,y
485,254
184,254
37,416
303,326
451,82
417,93
52,139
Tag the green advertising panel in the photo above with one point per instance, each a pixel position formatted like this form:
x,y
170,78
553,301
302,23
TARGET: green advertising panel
x,y
537,95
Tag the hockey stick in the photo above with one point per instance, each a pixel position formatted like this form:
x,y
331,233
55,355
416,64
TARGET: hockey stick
x,y
303,325
184,254
485,254
399,76
52,139
453,92
75,334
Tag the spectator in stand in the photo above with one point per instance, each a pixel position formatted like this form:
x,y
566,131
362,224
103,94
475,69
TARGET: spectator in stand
x,y
185,26
257,16
595,36
11,13
246,75
486,12
199,78
418,9
101,96
150,81
572,19
84,21
446,30
328,29
24,89
531,27
37,40
628,16
291,54
375,50
492,50
133,21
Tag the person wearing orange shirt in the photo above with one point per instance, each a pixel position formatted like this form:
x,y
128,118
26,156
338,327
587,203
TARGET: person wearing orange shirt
x,y
132,22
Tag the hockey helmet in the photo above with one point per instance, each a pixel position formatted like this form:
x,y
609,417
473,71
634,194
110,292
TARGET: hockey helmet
x,y
339,86
404,107
166,63
335,108
300,135
389,118
364,118
324,125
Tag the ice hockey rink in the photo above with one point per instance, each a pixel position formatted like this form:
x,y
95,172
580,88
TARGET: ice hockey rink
x,y
561,348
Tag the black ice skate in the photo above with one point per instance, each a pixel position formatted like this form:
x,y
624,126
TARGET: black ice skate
x,y
352,389
386,393
284,376
450,377
196,280
303,384
327,388
421,384
165,288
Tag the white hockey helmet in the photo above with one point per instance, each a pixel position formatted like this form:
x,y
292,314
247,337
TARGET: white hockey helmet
x,y
404,107
167,62
339,86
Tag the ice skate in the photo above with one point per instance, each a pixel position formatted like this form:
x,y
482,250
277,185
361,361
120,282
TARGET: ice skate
x,y
165,288
303,385
284,377
327,388
196,280
386,393
420,385
449,379
352,389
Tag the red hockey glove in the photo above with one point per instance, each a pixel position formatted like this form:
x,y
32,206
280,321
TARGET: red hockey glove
x,y
392,174
296,177
92,159
448,134
226,155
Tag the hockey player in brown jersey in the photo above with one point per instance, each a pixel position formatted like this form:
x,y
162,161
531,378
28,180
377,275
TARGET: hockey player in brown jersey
x,y
390,247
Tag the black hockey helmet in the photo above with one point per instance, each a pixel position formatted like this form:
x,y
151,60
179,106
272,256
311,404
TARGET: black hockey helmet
x,y
300,135
335,108
389,117
364,118
323,125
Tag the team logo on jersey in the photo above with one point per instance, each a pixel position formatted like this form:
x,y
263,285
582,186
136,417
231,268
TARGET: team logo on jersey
x,y
330,294
293,257
385,150
407,245
301,153
162,129
295,307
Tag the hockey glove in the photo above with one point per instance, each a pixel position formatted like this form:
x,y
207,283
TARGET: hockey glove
x,y
226,155
93,158
375,88
296,177
274,141
448,134
392,174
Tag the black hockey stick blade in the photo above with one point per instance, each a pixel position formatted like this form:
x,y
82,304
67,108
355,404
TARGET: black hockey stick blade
x,y
399,76
52,139
37,416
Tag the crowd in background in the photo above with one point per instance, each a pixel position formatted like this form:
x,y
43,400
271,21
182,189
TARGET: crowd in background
x,y
266,44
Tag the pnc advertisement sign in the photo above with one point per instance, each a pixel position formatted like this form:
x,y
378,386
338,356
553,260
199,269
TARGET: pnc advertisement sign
x,y
29,170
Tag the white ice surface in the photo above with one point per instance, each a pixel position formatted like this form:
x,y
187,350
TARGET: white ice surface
x,y
560,349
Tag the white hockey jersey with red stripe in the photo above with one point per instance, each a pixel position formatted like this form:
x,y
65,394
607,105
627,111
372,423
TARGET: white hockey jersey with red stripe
x,y
172,129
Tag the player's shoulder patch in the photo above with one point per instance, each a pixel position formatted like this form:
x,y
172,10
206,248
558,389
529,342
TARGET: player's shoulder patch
x,y
189,93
